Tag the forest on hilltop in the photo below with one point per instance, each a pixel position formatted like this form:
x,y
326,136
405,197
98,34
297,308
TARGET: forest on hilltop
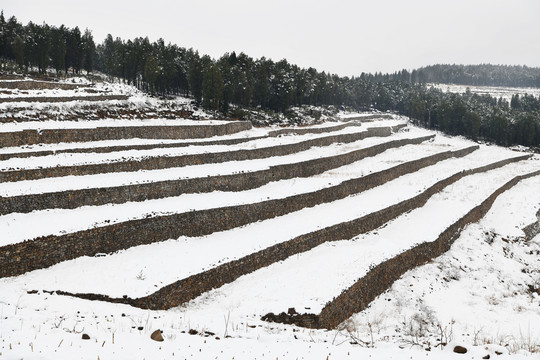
x,y
237,81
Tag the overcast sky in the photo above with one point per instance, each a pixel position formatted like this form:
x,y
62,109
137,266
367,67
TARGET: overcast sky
x,y
346,37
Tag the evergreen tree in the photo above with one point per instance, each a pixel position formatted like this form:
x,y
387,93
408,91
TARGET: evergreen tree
x,y
58,48
74,50
3,37
212,87
88,51
195,77
18,50
151,72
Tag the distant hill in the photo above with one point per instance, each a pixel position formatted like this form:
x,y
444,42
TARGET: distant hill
x,y
483,75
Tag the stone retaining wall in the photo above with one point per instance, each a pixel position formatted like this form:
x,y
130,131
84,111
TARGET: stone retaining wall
x,y
106,149
57,99
38,85
164,162
119,110
380,278
532,229
189,288
16,259
368,118
161,189
53,136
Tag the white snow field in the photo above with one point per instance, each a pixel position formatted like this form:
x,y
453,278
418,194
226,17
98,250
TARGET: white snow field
x,y
186,256
483,294
57,221
494,91
187,172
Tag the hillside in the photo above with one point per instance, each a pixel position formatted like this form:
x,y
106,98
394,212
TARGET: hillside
x,y
263,91
479,75
353,235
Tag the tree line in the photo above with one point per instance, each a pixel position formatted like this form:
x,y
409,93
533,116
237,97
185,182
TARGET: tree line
x,y
44,46
239,81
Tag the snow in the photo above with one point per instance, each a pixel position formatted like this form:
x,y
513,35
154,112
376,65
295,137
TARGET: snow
x,y
91,124
479,286
296,281
195,171
476,295
246,134
494,91
73,159
56,221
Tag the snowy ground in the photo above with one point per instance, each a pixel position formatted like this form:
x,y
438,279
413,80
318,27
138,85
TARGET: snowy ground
x,y
193,171
477,295
57,221
71,159
494,91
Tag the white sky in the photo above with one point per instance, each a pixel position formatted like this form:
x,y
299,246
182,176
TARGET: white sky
x,y
346,37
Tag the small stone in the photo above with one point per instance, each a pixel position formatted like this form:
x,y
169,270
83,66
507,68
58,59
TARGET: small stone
x,y
460,350
156,336
85,337
192,332
486,357
292,311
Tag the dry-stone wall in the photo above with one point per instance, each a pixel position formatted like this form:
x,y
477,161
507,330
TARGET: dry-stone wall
x,y
368,118
56,99
52,136
164,162
38,85
532,229
42,252
162,189
106,149
381,277
365,290
189,288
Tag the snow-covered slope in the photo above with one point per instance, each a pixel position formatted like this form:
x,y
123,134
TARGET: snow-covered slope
x,y
483,294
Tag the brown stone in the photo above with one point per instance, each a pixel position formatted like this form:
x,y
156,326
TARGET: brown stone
x,y
156,336
460,349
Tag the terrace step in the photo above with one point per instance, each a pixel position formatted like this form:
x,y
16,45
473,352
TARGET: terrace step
x,y
42,252
51,136
193,286
161,189
113,148
59,99
380,278
164,162
38,85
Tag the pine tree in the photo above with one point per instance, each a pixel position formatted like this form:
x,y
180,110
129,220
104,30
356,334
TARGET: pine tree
x,y
88,50
18,50
151,72
195,77
212,87
58,48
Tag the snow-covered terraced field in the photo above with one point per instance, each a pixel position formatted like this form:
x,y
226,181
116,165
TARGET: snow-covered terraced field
x,y
339,264
192,253
193,171
322,216
120,156
57,221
